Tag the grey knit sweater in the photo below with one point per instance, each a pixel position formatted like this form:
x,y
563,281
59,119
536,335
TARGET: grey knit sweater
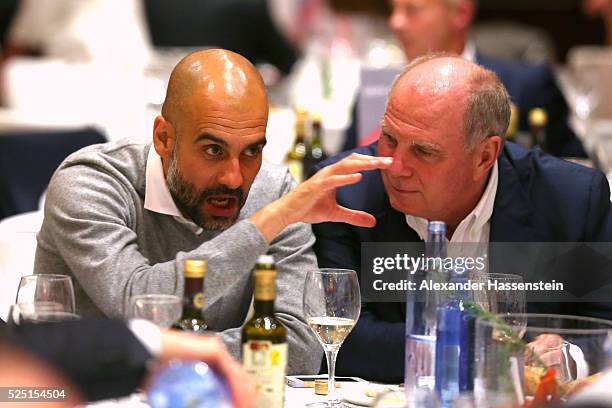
x,y
97,230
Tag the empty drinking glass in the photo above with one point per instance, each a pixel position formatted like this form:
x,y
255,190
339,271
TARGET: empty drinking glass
x,y
56,289
163,310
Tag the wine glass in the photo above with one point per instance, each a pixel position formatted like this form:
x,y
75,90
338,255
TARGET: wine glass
x,y
47,288
496,300
38,312
332,303
163,310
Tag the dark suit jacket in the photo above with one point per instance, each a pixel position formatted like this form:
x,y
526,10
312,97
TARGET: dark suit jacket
x,y
539,199
529,86
101,356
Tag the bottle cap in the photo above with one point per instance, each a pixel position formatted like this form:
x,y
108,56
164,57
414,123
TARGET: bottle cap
x,y
265,259
194,268
321,387
436,226
538,117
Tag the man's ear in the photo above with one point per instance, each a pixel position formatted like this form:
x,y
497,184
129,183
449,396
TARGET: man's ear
x,y
163,138
488,151
464,14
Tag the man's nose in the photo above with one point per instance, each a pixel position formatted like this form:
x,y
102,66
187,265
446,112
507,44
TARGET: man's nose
x,y
231,175
400,166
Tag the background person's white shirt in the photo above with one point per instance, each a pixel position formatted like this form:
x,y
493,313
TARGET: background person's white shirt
x,y
105,31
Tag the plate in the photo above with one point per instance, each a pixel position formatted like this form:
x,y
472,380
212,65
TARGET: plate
x,y
365,394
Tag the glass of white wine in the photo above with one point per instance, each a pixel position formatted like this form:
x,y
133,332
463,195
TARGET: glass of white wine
x,y
332,303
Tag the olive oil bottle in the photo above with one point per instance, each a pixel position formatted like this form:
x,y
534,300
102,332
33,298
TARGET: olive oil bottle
x,y
193,298
264,340
297,154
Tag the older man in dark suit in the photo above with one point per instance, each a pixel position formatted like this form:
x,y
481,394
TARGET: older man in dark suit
x,y
443,126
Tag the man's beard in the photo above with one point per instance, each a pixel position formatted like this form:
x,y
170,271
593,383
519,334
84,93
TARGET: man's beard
x,y
189,201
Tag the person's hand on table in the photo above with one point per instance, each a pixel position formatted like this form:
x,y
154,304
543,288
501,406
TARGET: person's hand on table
x,y
211,350
314,200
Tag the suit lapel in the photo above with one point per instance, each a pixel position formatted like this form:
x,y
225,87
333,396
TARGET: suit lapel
x,y
513,215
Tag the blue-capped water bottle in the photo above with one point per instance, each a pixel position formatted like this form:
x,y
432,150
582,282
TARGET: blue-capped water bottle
x,y
454,342
188,384
421,315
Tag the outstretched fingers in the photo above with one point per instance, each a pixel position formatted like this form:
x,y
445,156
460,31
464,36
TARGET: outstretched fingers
x,y
338,180
354,217
359,162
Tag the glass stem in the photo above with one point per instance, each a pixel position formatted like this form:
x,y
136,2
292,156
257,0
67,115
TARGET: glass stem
x,y
331,355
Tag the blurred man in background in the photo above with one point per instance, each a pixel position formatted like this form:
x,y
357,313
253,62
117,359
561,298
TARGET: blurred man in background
x,y
424,26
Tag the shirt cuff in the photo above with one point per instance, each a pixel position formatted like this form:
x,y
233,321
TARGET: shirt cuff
x,y
148,334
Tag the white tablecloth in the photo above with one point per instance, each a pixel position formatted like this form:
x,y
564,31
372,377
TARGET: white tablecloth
x,y
294,397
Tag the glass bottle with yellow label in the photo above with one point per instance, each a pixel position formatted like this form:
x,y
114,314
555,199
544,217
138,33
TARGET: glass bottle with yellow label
x,y
297,154
192,320
538,119
315,153
264,340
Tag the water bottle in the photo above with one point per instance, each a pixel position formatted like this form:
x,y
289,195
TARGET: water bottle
x,y
448,346
421,318
454,344
188,384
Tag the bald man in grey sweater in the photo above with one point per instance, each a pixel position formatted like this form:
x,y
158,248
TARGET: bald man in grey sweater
x,y
121,217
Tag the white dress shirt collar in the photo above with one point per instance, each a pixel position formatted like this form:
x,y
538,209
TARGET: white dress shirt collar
x,y
473,228
469,51
157,195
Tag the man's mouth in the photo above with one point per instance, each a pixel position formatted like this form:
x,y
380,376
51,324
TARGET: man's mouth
x,y
221,202
221,206
404,190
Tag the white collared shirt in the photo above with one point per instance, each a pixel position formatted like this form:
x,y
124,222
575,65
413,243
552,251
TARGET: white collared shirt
x,y
157,195
476,226
469,51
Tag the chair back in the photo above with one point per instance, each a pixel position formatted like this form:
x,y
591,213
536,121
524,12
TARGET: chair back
x,y
28,160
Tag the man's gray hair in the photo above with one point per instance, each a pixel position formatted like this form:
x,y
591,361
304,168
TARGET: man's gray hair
x,y
487,107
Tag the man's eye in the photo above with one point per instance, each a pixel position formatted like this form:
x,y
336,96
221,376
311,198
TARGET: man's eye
x,y
252,151
419,151
213,150
389,139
